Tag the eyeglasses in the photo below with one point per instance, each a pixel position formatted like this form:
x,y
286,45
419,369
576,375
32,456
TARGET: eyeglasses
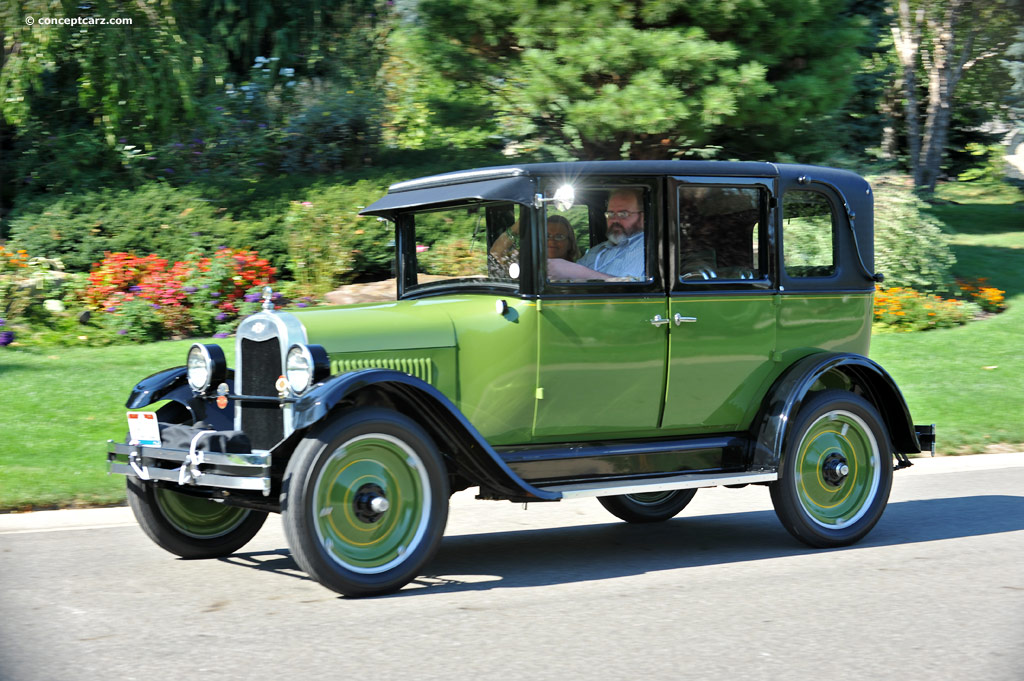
x,y
621,214
557,237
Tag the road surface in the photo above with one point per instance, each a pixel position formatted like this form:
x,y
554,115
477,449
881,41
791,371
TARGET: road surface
x,y
554,591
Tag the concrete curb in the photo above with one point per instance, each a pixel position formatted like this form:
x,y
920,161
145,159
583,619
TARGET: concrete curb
x,y
121,516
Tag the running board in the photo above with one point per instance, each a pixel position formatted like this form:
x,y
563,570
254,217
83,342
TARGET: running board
x,y
663,484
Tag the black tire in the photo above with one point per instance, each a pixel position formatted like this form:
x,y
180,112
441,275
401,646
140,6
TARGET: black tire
x,y
340,532
188,526
648,507
816,501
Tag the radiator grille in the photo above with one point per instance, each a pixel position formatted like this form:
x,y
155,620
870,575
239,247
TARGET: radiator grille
x,y
419,367
261,366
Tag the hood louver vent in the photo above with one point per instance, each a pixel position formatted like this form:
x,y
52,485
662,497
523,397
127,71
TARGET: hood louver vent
x,y
419,367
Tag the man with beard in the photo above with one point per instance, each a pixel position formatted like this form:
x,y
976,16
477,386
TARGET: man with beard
x,y
622,256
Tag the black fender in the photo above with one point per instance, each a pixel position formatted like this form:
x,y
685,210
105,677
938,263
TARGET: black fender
x,y
458,438
183,405
788,393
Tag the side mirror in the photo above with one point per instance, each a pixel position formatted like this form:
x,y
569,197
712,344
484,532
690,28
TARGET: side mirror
x,y
564,198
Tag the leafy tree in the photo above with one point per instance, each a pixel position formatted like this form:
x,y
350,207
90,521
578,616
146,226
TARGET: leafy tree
x,y
938,43
640,79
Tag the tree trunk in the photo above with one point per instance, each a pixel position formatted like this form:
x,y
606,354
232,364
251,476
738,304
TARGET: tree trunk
x,y
906,37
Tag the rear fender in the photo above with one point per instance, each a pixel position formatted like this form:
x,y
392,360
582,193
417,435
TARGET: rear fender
x,y
474,458
857,372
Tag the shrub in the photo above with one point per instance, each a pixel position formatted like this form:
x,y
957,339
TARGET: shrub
x,y
156,218
329,243
454,257
904,309
334,131
26,284
911,249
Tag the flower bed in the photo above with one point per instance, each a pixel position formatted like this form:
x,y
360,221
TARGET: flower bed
x,y
148,298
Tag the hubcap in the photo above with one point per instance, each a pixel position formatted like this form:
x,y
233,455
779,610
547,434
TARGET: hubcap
x,y
835,469
371,503
197,517
838,467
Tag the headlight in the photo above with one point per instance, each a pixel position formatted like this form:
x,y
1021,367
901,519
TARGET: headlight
x,y
206,366
305,365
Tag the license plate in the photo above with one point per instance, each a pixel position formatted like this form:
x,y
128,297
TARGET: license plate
x,y
143,428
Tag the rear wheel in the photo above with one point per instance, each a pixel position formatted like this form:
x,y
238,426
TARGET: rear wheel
x,y
188,526
365,502
648,507
836,471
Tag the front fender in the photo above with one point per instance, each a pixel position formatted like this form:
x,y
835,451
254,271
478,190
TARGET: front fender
x,y
172,385
475,458
791,389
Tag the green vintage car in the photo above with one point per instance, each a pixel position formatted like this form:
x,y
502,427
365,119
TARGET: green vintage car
x,y
629,330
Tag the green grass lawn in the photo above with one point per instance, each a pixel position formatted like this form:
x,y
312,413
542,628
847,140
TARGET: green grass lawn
x,y
970,380
58,406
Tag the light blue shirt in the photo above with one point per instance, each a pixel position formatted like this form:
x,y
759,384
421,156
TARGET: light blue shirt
x,y
624,260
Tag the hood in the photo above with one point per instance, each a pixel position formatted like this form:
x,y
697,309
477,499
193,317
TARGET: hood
x,y
397,325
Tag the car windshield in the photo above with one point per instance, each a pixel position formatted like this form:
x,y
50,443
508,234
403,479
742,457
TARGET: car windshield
x,y
467,245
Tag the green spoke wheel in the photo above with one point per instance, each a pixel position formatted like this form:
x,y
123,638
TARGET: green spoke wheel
x,y
365,502
648,507
836,472
190,526
196,517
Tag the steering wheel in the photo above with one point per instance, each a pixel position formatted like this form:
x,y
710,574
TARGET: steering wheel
x,y
703,272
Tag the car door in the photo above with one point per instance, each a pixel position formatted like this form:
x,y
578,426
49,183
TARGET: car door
x,y
602,344
723,302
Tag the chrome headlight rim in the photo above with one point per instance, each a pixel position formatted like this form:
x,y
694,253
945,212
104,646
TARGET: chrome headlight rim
x,y
311,365
209,369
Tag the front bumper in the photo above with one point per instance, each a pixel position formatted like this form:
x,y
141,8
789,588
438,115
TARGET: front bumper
x,y
214,470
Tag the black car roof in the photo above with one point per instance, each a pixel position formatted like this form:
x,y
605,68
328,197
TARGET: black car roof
x,y
514,182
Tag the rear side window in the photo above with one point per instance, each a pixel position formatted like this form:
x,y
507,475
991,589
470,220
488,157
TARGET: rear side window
x,y
808,234
721,233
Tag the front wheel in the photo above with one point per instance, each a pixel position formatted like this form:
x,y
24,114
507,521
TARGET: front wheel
x,y
188,526
648,507
836,471
365,502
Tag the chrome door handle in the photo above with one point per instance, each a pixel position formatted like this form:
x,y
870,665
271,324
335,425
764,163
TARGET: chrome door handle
x,y
658,320
679,319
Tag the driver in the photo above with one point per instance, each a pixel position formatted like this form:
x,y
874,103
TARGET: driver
x,y
622,255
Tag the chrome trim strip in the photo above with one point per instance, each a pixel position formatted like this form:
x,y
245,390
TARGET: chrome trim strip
x,y
453,178
685,481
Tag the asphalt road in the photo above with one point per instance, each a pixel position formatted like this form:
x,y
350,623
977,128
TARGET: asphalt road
x,y
564,590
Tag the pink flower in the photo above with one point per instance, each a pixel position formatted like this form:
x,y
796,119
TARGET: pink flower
x,y
420,248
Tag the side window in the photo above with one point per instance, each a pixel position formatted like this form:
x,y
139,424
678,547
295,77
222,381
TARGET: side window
x,y
808,234
602,238
721,232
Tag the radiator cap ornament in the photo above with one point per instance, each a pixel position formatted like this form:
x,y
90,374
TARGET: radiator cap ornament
x,y
268,295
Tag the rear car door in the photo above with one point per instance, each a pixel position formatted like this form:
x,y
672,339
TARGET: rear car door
x,y
723,302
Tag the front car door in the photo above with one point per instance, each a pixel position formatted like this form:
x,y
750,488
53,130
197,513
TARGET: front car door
x,y
723,302
602,342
